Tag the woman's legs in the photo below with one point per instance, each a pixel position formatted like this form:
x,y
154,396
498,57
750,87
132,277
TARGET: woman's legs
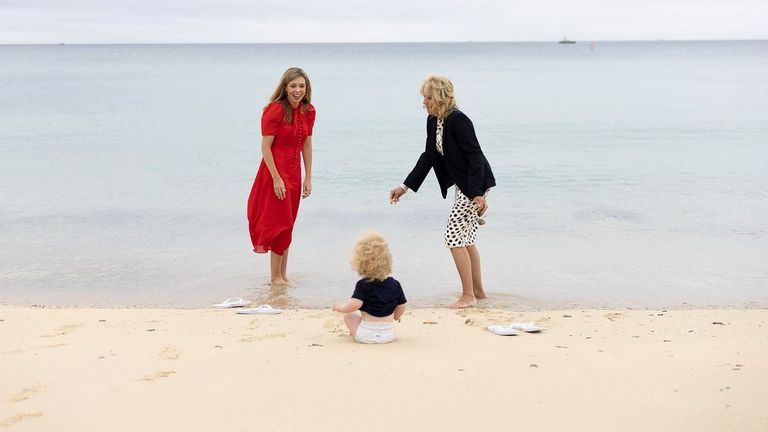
x,y
463,261
276,268
460,238
467,260
477,279
284,266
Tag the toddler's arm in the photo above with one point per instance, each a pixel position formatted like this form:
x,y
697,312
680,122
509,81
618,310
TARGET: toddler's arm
x,y
399,311
352,305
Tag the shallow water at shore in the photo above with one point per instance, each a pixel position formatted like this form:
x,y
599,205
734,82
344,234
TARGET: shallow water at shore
x,y
629,174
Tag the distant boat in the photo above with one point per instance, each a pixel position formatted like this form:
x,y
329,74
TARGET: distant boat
x,y
566,41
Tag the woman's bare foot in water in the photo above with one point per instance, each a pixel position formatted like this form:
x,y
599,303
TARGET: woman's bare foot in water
x,y
279,282
465,301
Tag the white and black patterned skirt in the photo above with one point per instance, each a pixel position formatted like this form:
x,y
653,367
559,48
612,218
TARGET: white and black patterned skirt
x,y
462,222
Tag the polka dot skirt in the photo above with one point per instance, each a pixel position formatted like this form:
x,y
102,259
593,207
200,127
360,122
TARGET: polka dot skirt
x,y
462,222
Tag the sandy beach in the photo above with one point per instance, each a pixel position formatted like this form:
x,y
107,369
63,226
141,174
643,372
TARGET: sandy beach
x,y
203,370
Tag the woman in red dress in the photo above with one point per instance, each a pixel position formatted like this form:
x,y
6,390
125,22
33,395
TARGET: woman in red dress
x,y
286,129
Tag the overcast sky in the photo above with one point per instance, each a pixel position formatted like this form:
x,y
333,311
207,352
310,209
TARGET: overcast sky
x,y
241,21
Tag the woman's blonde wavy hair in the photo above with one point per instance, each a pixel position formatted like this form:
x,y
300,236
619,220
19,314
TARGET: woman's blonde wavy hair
x,y
371,258
440,89
280,95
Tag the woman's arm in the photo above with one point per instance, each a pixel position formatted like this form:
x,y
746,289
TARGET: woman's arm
x,y
266,153
306,153
350,306
414,180
419,172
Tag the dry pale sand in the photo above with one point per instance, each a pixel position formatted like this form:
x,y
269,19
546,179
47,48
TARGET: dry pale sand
x,y
211,370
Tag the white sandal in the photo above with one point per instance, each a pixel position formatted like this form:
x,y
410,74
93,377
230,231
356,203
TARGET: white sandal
x,y
502,330
528,327
261,310
232,303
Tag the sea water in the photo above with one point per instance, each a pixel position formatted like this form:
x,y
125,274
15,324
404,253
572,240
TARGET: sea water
x,y
630,174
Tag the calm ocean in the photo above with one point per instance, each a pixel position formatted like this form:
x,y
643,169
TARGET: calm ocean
x,y
629,174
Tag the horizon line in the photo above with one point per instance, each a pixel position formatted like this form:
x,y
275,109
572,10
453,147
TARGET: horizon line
x,y
381,42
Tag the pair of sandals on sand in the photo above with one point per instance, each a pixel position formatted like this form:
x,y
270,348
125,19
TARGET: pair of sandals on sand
x,y
513,328
237,302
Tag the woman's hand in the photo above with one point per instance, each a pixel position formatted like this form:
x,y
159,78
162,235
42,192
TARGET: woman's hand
x,y
395,194
481,204
279,186
307,189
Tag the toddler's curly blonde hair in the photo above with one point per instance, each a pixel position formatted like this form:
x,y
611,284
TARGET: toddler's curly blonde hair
x,y
371,258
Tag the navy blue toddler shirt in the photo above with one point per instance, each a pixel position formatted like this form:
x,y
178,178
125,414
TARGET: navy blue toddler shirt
x,y
379,297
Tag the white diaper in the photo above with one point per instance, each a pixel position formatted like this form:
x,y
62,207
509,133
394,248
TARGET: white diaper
x,y
374,332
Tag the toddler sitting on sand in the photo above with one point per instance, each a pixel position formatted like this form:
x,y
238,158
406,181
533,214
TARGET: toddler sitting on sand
x,y
378,296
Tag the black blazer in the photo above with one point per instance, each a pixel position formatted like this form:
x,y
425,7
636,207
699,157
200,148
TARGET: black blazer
x,y
463,162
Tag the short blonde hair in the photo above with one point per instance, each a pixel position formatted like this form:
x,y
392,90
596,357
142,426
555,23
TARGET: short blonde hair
x,y
440,89
371,258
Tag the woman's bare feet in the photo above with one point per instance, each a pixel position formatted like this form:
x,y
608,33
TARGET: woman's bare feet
x,y
465,301
279,282
480,294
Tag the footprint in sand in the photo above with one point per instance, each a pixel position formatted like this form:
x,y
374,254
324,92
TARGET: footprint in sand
x,y
10,421
474,322
157,375
254,324
614,316
331,323
169,353
25,394
498,316
61,331
253,338
51,346
35,348
334,325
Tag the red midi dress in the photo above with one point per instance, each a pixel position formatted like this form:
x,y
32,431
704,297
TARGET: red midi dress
x,y
270,220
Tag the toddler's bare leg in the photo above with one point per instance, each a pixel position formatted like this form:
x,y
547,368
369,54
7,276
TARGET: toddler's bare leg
x,y
352,320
